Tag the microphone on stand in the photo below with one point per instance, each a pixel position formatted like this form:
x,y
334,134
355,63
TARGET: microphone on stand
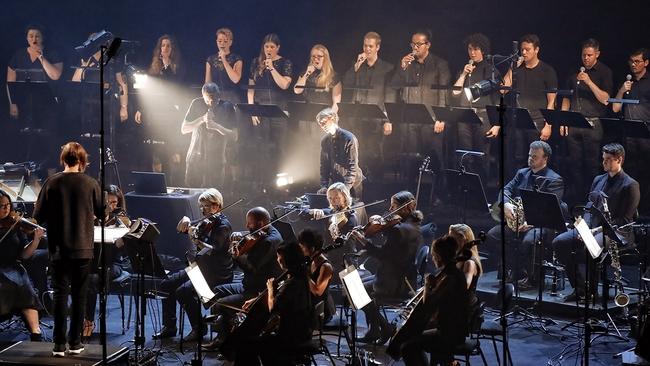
x,y
582,69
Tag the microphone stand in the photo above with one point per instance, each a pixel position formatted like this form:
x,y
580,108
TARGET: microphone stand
x,y
102,220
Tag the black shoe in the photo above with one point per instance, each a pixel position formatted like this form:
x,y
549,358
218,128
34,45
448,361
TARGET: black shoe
x,y
386,333
213,345
371,336
194,335
76,349
574,296
165,332
36,337
58,350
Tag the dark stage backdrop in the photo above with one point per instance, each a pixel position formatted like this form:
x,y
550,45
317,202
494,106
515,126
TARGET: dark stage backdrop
x,y
339,24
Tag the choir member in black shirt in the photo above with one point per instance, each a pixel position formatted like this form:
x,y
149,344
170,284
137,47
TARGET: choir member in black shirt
x,y
339,155
68,203
397,263
320,74
445,303
225,67
320,270
472,136
592,85
637,87
216,266
534,81
210,121
290,306
622,196
160,110
370,71
536,176
37,114
17,295
415,75
258,265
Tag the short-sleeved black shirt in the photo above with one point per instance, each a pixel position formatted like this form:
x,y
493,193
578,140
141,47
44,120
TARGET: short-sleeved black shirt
x,y
532,85
641,91
583,99
220,76
22,60
374,77
273,95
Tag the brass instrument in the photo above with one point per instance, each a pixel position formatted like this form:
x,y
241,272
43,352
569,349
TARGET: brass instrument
x,y
518,218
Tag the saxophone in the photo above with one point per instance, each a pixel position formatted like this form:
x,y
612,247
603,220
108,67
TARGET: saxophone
x,y
621,299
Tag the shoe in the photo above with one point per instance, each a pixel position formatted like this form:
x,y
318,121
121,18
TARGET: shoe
x,y
213,345
76,349
165,332
371,336
574,296
194,335
58,350
36,337
386,333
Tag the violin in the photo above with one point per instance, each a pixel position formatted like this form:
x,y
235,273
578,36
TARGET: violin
x,y
377,224
243,243
15,220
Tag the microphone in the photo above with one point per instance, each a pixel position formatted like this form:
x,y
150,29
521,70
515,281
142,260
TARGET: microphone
x,y
413,55
471,63
582,69
515,47
628,78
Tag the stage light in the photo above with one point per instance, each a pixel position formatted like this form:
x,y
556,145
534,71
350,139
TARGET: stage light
x,y
140,80
283,179
484,87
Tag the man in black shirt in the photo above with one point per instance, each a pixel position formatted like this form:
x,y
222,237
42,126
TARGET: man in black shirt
x,y
258,265
593,85
67,204
216,266
534,81
472,136
211,121
416,73
622,196
371,72
339,155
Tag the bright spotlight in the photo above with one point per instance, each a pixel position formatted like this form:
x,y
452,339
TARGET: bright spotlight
x,y
480,89
140,80
283,179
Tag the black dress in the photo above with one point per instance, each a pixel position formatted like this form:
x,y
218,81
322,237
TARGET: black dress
x,y
323,96
229,90
16,290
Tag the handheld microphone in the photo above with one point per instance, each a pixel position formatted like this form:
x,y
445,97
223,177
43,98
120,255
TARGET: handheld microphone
x,y
413,55
471,63
582,69
628,78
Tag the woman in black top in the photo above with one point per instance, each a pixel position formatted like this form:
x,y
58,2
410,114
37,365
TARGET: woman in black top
x,y
68,203
291,309
320,270
320,74
469,262
16,291
225,68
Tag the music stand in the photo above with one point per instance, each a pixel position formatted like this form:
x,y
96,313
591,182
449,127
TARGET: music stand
x,y
286,230
517,117
624,128
357,298
261,110
565,118
405,113
303,111
456,115
25,92
470,192
360,111
545,213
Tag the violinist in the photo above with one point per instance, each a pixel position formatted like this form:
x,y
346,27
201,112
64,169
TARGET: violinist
x,y
290,303
214,230
468,259
397,261
258,264
444,310
16,291
320,270
116,207
68,203
340,200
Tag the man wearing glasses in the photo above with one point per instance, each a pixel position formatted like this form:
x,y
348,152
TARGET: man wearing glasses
x,y
339,155
416,73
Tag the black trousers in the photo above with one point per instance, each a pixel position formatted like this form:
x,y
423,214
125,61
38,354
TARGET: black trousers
x,y
180,289
440,347
519,250
571,252
232,294
69,277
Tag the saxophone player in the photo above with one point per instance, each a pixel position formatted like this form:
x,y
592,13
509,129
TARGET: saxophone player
x,y
536,176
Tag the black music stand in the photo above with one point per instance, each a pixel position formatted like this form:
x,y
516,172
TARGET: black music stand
x,y
360,111
545,214
405,113
565,118
303,111
358,298
625,128
517,117
261,110
456,115
469,191
25,93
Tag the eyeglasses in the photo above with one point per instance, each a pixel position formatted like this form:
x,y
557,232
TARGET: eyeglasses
x,y
419,44
634,62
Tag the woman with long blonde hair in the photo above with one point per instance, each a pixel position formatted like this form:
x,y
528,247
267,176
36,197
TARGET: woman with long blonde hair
x,y
469,262
320,83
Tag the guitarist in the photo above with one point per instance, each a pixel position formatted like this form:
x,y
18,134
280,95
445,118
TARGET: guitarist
x,y
439,322
220,262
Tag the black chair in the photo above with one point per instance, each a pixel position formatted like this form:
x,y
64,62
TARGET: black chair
x,y
305,352
491,329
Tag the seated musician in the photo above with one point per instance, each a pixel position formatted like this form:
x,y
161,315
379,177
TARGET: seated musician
x,y
16,292
115,216
320,270
442,315
536,176
622,195
219,262
258,264
397,262
467,260
291,309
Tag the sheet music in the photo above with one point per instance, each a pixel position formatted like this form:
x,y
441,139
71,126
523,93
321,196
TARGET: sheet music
x,y
111,234
354,288
588,238
198,281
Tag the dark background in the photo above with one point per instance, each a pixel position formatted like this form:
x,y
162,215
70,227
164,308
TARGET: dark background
x,y
340,25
